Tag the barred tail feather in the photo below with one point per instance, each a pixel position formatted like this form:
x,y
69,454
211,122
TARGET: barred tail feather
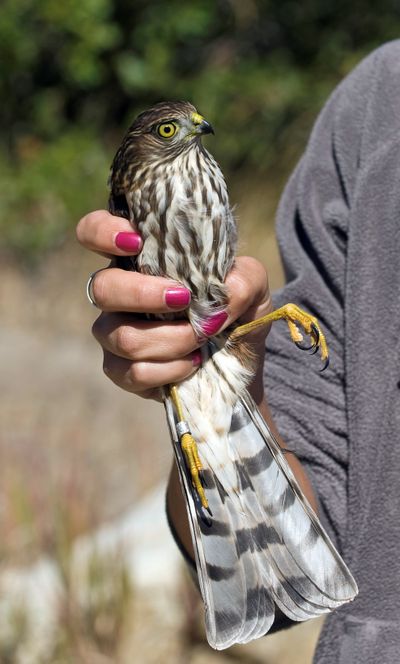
x,y
263,546
303,558
237,607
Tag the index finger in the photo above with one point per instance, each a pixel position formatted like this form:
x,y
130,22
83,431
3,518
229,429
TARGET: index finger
x,y
124,291
100,231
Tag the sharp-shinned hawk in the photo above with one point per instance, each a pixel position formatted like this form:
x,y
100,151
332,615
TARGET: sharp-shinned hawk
x,y
258,543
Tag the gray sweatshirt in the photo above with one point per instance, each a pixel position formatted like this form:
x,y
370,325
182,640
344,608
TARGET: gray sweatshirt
x,y
339,234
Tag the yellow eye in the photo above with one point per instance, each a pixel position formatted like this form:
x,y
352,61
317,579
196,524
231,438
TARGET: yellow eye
x,y
167,129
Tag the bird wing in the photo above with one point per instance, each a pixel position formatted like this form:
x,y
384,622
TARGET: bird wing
x,y
263,546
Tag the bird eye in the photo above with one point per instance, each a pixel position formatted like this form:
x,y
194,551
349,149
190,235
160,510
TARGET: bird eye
x,y
167,129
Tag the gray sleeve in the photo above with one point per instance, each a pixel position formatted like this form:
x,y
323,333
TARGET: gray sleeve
x,y
313,224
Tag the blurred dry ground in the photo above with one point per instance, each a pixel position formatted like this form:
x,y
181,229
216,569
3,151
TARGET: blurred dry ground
x,y
76,453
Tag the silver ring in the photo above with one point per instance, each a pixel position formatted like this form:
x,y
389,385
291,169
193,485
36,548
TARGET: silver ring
x,y
182,427
89,287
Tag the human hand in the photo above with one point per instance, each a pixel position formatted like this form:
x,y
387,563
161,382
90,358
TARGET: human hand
x,y
142,355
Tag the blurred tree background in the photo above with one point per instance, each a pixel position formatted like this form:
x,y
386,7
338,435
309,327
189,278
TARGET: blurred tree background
x,y
74,74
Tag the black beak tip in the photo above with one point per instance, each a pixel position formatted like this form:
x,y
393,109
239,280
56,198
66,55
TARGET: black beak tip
x,y
206,128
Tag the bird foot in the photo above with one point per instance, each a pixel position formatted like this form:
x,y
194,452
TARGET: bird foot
x,y
195,466
294,316
189,448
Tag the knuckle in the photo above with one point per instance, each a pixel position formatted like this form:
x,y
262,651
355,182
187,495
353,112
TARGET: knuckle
x,y
125,341
251,268
256,273
261,276
138,375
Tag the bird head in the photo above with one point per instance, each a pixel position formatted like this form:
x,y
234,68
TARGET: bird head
x,y
170,123
163,132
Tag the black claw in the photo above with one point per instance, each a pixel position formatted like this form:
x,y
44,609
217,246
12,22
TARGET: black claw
x,y
316,333
205,519
202,478
197,503
200,509
315,344
326,365
302,347
203,512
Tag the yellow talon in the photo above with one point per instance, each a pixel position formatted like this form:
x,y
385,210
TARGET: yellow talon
x,y
295,333
189,448
293,316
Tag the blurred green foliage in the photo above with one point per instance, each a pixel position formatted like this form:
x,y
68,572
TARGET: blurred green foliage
x,y
73,75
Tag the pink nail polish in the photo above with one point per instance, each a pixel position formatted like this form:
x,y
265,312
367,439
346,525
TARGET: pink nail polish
x,y
212,324
177,298
196,358
130,242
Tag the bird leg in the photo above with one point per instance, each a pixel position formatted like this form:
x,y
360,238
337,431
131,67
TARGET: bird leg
x,y
294,316
189,447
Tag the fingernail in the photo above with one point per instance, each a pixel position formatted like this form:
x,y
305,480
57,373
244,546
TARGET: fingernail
x,y
212,324
177,298
196,358
128,241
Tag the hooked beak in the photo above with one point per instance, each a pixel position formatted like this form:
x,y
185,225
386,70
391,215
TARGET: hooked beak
x,y
201,126
205,128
